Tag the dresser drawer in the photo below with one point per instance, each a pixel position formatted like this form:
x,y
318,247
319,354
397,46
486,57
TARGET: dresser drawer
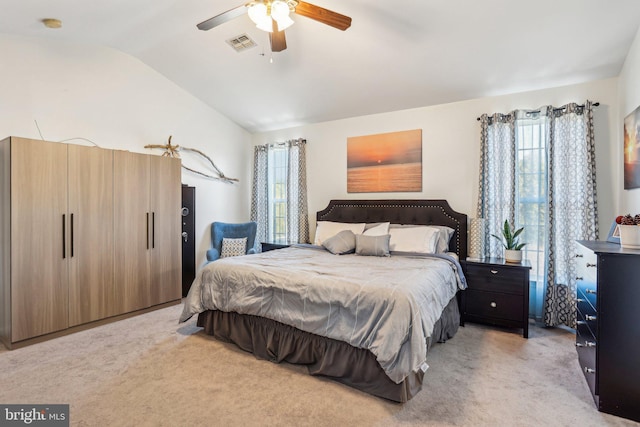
x,y
588,291
494,305
585,337
587,319
496,279
587,360
586,263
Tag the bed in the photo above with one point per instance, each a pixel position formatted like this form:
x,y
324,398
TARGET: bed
x,y
359,320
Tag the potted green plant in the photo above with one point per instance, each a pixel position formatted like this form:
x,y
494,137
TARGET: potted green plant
x,y
511,242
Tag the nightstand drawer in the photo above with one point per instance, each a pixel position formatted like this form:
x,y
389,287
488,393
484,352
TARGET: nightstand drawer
x,y
496,279
494,305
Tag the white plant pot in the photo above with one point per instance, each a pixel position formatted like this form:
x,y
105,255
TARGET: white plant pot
x,y
630,236
513,256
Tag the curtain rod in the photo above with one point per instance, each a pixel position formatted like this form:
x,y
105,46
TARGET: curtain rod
x,y
595,104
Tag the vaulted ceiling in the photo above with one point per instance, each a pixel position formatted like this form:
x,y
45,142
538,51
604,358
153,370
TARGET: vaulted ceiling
x,y
397,54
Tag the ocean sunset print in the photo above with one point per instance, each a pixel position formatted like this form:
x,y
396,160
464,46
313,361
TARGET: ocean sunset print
x,y
387,162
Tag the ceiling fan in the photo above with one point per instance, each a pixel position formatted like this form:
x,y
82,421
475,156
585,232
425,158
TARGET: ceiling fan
x,y
273,16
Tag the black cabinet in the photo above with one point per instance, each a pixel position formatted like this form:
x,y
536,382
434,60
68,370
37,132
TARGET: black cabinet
x,y
497,293
608,330
188,237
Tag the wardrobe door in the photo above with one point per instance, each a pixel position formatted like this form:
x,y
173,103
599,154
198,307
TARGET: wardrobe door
x,y
166,230
132,239
91,291
39,250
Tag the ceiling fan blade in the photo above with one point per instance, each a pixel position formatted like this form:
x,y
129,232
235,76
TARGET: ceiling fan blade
x,y
277,39
323,15
222,18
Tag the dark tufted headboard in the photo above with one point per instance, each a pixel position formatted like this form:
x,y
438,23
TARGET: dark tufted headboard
x,y
423,212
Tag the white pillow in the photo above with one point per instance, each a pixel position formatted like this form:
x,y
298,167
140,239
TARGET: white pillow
x,y
326,229
444,234
420,239
377,230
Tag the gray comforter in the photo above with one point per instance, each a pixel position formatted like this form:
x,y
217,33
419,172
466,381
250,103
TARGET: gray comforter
x,y
388,305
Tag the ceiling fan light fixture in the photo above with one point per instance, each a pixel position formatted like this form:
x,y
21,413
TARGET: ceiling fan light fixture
x,y
284,23
279,10
257,11
262,13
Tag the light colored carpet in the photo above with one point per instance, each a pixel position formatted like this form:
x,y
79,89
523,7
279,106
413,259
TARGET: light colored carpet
x,y
150,371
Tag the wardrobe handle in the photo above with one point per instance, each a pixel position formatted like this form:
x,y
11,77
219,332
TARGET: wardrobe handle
x,y
64,237
147,230
71,236
153,230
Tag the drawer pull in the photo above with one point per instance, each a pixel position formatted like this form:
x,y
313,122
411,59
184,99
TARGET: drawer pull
x,y
591,265
581,322
589,370
590,343
493,304
590,317
591,291
579,278
579,344
494,271
579,255
579,300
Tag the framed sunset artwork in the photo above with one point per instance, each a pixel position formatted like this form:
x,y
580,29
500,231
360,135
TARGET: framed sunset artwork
x,y
632,150
386,162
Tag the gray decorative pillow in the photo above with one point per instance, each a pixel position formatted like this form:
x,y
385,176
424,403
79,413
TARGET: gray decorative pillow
x,y
233,247
342,243
372,245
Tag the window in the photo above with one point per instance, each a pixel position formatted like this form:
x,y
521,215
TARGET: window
x,y
537,169
532,201
277,183
279,197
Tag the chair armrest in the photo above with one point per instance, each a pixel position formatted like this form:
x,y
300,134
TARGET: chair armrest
x,y
213,254
251,251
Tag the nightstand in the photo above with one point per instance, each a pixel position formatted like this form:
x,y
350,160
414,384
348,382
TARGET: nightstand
x,y
497,293
266,246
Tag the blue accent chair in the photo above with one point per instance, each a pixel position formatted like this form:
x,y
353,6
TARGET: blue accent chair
x,y
220,230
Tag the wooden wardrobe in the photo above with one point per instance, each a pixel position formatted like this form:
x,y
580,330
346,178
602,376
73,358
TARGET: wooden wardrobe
x,y
87,235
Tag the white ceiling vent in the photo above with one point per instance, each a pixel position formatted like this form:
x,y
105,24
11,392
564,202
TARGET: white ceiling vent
x,y
241,43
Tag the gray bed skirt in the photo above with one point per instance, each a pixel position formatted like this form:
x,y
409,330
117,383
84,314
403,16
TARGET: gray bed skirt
x,y
356,367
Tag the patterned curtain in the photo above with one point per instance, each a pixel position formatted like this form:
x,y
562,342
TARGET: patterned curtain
x,y
260,194
572,205
571,194
297,213
297,219
497,193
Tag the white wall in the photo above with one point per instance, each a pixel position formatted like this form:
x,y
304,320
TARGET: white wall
x,y
627,201
450,146
118,102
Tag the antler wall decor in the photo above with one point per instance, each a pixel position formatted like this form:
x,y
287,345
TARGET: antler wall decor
x,y
173,151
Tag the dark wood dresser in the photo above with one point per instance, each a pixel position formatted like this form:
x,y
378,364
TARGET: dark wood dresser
x,y
608,325
268,246
497,293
